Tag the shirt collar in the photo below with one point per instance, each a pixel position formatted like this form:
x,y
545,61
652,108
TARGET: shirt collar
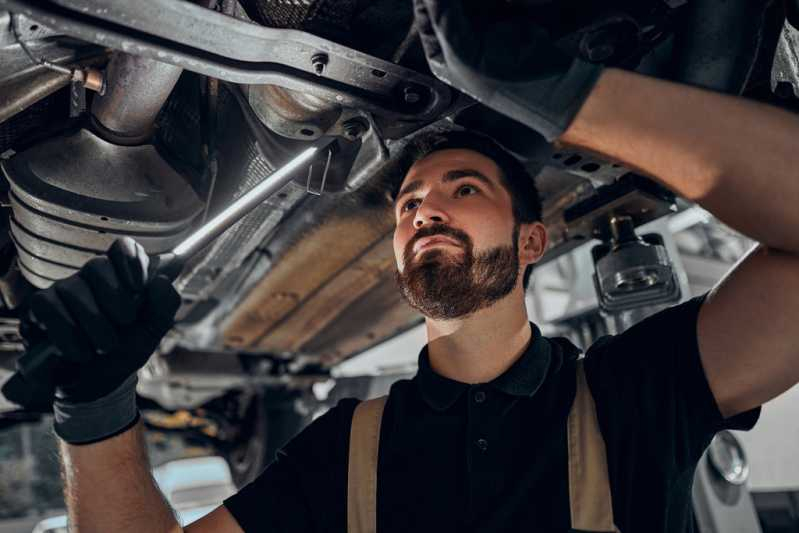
x,y
541,358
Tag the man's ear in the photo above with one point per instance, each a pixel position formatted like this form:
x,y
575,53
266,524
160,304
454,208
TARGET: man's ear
x,y
532,242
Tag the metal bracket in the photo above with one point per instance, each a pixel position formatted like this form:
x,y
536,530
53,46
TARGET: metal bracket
x,y
324,175
202,40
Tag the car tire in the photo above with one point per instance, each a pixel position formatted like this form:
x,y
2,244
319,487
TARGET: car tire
x,y
272,419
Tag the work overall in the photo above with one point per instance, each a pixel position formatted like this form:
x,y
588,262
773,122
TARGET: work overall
x,y
589,489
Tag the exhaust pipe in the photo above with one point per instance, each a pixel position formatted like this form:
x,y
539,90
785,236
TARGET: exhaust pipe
x,y
137,88
73,195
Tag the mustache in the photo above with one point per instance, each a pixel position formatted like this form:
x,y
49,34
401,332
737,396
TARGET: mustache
x,y
439,229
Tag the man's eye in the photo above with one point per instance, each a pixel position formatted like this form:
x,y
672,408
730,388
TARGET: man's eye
x,y
466,190
408,205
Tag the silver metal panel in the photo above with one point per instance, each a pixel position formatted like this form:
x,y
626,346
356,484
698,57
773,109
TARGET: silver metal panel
x,y
36,264
33,245
72,196
84,179
88,238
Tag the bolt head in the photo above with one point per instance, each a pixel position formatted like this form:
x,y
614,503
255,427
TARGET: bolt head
x,y
319,61
411,96
354,129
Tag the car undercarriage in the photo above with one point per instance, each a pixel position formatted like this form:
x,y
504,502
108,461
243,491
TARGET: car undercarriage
x,y
147,118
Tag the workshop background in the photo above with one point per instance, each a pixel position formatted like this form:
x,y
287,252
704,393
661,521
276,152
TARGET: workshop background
x,y
294,307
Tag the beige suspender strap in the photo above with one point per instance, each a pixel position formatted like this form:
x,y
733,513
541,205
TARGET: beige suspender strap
x,y
362,475
589,488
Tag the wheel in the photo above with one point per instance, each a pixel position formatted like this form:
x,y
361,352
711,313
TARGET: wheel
x,y
271,420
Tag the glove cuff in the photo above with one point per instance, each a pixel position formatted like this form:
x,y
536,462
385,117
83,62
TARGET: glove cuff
x,y
548,108
100,419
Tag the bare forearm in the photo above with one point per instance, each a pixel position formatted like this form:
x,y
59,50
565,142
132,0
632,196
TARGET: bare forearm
x,y
108,487
735,157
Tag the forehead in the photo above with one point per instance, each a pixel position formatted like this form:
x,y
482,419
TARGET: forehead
x,y
438,163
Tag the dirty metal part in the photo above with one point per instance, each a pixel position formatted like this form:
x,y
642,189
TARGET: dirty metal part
x,y
293,114
27,29
377,315
281,149
322,307
88,78
247,152
354,128
24,92
372,155
23,83
210,43
279,293
59,221
319,62
586,165
633,196
785,69
137,88
239,258
257,243
578,213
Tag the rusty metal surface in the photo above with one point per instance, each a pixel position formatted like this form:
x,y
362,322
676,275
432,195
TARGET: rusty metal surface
x,y
292,114
378,315
316,258
325,305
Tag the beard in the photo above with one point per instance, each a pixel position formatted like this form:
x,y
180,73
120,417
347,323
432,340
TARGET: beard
x,y
446,286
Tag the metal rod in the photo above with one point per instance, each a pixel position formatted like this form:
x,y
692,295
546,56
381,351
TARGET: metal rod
x,y
245,203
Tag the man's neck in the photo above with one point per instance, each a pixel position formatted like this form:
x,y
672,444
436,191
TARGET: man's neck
x,y
481,347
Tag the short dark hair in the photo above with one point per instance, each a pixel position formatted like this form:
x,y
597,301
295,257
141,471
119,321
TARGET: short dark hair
x,y
525,200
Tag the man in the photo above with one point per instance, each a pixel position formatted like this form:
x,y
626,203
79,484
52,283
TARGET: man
x,y
477,440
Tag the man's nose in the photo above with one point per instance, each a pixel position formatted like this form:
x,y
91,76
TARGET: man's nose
x,y
430,212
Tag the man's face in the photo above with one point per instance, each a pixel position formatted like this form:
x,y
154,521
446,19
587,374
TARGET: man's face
x,y
456,241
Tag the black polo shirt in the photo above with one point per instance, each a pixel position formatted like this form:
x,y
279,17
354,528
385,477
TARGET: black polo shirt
x,y
492,457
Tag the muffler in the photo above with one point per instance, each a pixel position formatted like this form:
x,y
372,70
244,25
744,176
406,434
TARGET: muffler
x,y
73,195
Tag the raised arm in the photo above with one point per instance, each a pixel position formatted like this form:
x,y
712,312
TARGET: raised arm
x,y
108,487
104,323
738,159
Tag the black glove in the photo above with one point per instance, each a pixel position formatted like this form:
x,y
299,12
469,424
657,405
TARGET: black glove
x,y
105,320
504,61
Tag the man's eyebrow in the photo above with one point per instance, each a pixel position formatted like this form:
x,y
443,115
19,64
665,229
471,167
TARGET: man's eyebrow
x,y
452,175
412,186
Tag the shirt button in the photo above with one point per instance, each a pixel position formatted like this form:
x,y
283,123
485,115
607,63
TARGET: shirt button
x,y
482,444
479,396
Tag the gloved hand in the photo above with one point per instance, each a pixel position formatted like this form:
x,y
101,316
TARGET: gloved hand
x,y
105,320
504,61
